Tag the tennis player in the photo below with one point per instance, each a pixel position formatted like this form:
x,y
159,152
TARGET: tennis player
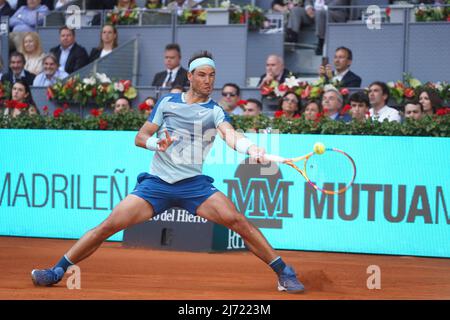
x,y
176,179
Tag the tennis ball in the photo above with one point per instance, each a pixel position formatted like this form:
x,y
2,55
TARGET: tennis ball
x,y
319,148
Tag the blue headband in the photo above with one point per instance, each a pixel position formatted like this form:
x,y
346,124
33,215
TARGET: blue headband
x,y
201,62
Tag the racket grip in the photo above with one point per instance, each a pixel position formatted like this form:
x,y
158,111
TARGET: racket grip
x,y
274,158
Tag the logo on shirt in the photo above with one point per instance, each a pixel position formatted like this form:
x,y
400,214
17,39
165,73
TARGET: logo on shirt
x,y
202,113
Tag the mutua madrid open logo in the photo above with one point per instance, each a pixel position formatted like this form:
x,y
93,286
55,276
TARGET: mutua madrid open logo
x,y
263,198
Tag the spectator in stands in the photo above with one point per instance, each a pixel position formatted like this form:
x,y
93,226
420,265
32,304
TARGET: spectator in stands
x,y
430,100
5,9
174,74
230,97
122,105
125,4
290,106
313,110
315,11
275,70
108,42
342,61
153,4
360,104
48,3
378,97
21,100
283,6
28,16
62,4
51,72
180,5
177,89
332,103
414,110
71,56
31,48
252,107
17,70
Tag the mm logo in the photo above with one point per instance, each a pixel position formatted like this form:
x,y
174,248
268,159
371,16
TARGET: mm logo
x,y
263,199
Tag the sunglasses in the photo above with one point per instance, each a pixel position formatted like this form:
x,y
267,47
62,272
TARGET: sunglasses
x,y
229,94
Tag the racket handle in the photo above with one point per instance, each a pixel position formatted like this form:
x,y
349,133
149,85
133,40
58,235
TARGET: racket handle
x,y
274,158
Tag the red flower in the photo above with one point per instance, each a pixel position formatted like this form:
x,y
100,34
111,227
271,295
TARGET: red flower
x,y
102,124
409,92
144,107
10,104
94,92
388,11
266,90
306,92
282,87
45,108
344,91
65,106
346,109
50,93
95,112
126,84
242,19
58,112
448,18
21,105
241,102
442,111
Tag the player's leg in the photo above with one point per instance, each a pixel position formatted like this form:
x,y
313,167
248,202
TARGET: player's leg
x,y
219,209
132,210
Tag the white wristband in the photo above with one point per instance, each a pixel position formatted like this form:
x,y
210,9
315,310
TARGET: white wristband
x,y
243,144
152,144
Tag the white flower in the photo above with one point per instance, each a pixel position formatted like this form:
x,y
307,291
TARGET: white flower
x,y
225,4
103,78
119,86
291,82
390,84
278,93
89,81
330,87
439,86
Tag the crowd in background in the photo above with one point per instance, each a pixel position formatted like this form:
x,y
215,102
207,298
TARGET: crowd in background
x,y
30,66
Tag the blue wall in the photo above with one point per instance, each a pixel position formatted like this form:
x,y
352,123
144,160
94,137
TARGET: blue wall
x,y
59,184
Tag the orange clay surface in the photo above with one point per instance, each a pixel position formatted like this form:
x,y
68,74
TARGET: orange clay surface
x,y
115,272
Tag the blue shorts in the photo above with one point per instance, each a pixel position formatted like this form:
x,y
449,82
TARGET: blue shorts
x,y
188,194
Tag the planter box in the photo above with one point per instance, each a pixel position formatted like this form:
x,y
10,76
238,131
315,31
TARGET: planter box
x,y
217,17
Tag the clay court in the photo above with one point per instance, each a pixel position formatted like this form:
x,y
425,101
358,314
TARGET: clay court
x,y
115,272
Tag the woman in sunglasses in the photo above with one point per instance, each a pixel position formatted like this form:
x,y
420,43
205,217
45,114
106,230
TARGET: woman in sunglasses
x,y
290,106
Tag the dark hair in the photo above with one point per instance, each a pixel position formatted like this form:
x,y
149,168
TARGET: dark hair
x,y
299,103
125,98
436,101
234,85
67,28
17,54
174,46
200,54
319,104
383,87
349,52
257,102
152,98
29,100
178,86
360,97
412,101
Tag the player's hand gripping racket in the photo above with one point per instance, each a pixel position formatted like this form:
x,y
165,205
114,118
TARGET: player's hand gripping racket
x,y
325,167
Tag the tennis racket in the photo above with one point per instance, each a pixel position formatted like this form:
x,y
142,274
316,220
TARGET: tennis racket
x,y
323,171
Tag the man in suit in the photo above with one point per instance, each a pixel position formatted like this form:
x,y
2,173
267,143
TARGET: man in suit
x,y
343,58
315,12
17,70
332,103
71,56
275,70
174,74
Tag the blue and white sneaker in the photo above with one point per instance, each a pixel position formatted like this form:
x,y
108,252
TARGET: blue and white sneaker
x,y
287,281
47,277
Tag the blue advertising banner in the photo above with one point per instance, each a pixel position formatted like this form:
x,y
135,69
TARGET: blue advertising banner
x,y
59,184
